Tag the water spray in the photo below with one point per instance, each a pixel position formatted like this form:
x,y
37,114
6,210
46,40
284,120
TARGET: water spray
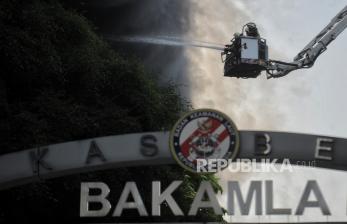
x,y
166,41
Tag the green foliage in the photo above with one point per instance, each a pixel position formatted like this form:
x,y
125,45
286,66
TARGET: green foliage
x,y
60,81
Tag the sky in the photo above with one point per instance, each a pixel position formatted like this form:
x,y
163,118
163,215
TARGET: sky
x,y
306,101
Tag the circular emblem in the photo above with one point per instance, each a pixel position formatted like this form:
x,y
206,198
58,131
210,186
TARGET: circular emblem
x,y
203,134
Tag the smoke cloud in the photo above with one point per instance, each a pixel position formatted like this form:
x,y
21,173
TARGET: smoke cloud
x,y
161,34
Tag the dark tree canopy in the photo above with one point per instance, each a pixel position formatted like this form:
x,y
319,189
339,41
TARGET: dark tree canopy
x,y
60,81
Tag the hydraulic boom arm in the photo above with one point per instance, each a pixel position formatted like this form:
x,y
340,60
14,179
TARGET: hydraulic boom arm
x,y
307,57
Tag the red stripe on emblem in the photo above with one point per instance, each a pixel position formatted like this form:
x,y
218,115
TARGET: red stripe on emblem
x,y
223,136
185,146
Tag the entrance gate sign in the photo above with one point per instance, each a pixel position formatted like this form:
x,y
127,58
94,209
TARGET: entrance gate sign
x,y
199,137
153,149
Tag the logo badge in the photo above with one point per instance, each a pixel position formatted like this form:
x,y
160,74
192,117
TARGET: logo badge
x,y
203,134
